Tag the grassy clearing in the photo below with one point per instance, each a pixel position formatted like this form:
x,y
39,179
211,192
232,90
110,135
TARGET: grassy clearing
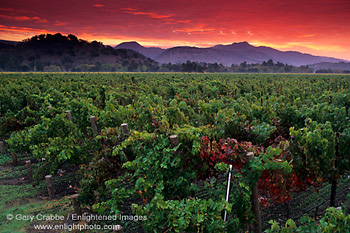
x,y
18,198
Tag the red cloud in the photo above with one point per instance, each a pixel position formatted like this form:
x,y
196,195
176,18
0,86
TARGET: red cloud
x,y
6,9
60,23
23,30
150,14
195,29
323,24
23,18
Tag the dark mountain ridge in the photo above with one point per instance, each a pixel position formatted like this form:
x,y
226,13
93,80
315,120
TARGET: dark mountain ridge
x,y
151,52
227,55
9,42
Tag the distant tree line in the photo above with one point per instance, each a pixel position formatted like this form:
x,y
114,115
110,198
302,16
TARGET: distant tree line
x,y
330,71
265,67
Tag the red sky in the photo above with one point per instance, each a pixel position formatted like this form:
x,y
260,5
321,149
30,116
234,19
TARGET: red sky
x,y
320,27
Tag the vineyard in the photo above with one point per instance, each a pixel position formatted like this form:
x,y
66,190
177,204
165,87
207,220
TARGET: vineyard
x,y
160,147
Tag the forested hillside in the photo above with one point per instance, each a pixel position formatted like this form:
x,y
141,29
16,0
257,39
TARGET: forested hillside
x,y
68,53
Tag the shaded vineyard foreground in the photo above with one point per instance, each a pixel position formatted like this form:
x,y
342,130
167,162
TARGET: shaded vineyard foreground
x,y
158,146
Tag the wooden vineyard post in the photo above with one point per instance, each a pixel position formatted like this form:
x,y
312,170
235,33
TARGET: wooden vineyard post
x,y
49,185
76,204
69,115
333,193
288,209
174,140
14,158
255,201
125,129
118,229
334,180
2,147
30,170
93,124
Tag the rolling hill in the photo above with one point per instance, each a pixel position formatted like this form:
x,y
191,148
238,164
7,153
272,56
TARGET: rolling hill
x,y
227,55
151,52
68,53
